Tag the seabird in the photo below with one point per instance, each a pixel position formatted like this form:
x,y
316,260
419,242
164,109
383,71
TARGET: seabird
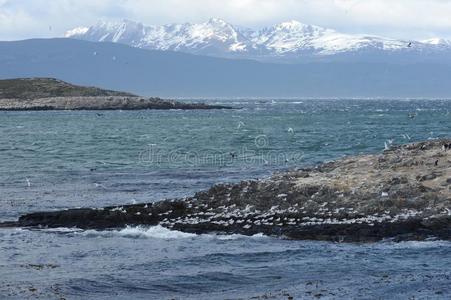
x,y
406,136
409,45
436,163
100,185
388,144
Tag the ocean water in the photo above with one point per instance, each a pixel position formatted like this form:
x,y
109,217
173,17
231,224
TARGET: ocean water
x,y
56,160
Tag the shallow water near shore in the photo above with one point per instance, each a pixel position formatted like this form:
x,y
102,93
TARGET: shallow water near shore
x,y
156,263
54,160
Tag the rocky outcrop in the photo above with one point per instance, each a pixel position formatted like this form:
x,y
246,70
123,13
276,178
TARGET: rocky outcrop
x,y
403,193
53,94
100,103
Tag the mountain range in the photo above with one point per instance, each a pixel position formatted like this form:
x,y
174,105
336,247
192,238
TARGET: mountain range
x,y
290,41
174,74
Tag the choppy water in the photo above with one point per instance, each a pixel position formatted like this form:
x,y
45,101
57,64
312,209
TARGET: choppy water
x,y
53,160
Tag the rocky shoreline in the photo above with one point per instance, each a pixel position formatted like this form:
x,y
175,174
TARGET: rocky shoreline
x,y
100,103
24,94
403,193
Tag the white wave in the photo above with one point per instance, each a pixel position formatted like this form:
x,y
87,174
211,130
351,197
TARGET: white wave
x,y
160,232
144,232
59,230
229,237
154,232
157,232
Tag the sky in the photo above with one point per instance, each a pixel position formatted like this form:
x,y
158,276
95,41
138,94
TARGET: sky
x,y
406,19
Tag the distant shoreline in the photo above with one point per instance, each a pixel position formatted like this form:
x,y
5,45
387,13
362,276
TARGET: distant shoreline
x,y
101,103
35,94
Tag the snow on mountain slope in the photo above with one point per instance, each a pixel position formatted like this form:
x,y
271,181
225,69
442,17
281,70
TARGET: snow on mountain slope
x,y
214,36
219,38
437,42
77,31
294,36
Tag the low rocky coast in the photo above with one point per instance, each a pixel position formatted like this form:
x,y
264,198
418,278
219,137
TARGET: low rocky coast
x,y
403,193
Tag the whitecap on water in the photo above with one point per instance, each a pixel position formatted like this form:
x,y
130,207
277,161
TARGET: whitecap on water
x,y
160,232
414,244
58,230
228,237
157,232
144,232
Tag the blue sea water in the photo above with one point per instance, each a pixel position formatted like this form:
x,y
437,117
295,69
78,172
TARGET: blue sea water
x,y
65,159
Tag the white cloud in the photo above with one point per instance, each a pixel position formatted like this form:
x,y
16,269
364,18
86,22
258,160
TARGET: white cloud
x,y
397,18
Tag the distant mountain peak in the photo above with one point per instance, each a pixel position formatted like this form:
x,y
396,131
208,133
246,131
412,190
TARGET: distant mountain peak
x,y
78,31
292,23
296,25
217,21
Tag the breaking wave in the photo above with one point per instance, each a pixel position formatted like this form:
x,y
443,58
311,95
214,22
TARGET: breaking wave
x,y
145,232
156,232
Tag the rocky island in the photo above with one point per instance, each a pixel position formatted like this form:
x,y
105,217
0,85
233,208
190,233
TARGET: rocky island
x,y
403,193
53,94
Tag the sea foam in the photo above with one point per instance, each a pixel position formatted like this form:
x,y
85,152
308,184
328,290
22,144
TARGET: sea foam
x,y
157,232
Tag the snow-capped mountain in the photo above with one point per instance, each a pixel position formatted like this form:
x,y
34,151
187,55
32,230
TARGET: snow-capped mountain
x,y
214,36
294,36
289,40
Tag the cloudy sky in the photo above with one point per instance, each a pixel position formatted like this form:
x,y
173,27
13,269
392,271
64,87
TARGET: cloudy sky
x,y
408,19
